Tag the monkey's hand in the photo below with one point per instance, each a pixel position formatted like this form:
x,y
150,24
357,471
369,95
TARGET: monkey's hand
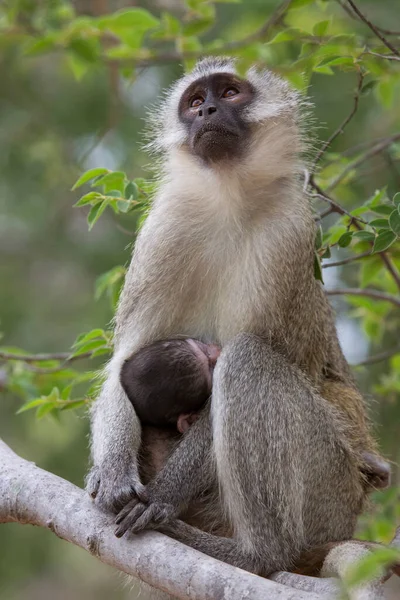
x,y
137,515
112,488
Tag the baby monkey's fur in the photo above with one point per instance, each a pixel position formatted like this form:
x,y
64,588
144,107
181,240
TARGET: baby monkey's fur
x,y
226,255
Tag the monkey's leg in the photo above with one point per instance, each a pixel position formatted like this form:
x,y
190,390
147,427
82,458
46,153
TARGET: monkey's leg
x,y
288,477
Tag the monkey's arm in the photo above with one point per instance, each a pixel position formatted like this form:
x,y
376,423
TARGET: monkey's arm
x,y
188,472
116,438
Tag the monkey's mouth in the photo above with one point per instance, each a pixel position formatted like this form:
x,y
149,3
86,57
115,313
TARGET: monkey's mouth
x,y
211,131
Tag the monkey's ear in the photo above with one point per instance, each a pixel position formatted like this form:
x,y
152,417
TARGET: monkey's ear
x,y
185,421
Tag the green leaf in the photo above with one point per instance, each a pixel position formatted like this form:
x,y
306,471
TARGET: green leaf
x,y
365,236
101,351
198,26
95,213
45,409
86,337
324,69
73,405
327,253
124,205
318,238
384,240
90,198
385,92
89,175
371,566
334,233
394,222
40,46
396,200
345,239
112,181
282,36
89,347
342,60
317,268
321,28
134,19
382,209
108,280
369,86
66,392
131,191
380,223
86,50
31,404
377,197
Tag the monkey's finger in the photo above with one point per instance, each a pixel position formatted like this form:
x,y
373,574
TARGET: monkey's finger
x,y
130,519
126,510
145,519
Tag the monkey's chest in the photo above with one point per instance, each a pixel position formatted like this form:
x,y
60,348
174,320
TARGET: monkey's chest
x,y
228,295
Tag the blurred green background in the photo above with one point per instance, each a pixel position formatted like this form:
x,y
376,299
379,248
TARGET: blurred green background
x,y
57,120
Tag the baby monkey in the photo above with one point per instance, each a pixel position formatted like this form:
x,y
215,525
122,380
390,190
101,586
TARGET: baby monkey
x,y
168,382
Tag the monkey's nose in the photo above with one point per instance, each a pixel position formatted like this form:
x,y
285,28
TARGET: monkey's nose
x,y
207,110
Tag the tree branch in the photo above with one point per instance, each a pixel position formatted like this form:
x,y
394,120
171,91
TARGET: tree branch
x,y
387,56
376,31
346,261
30,495
381,145
351,14
28,358
379,357
375,294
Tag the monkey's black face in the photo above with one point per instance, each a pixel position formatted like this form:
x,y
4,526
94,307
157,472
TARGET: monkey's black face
x,y
212,110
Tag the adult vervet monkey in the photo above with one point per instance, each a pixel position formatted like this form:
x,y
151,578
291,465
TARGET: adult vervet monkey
x,y
226,255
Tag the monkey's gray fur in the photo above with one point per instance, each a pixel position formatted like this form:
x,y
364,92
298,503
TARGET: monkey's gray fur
x,y
226,256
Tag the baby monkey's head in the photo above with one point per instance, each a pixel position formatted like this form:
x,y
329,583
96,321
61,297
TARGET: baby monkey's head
x,y
170,380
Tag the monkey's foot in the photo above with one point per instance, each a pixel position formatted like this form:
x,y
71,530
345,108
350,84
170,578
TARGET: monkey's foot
x,y
137,516
112,489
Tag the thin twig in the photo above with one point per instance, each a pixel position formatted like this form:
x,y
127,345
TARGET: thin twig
x,y
365,156
375,294
379,357
347,120
387,56
346,261
377,32
353,16
391,268
30,358
336,207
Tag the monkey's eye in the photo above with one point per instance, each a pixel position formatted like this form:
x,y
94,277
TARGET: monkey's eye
x,y
196,101
230,92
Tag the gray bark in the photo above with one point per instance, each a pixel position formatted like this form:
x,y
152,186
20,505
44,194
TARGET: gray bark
x,y
29,494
